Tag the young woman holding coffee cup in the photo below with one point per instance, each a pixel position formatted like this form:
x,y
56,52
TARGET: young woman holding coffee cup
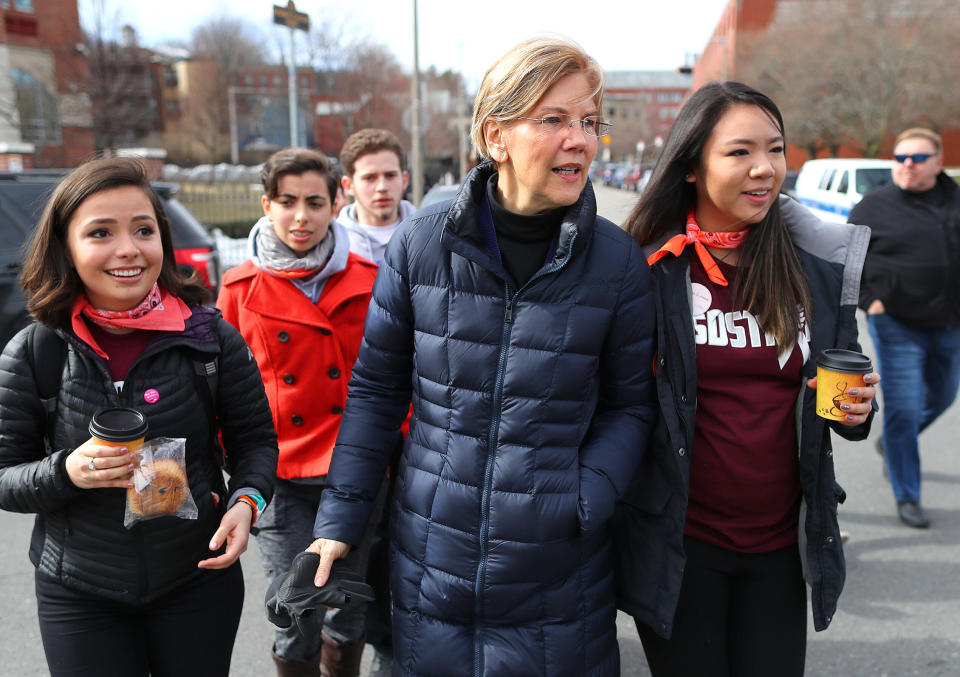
x,y
735,503
163,597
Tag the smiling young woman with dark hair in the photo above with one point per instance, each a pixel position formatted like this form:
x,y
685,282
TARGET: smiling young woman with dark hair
x,y
116,326
734,503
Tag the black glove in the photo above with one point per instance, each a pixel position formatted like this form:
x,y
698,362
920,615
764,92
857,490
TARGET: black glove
x,y
294,598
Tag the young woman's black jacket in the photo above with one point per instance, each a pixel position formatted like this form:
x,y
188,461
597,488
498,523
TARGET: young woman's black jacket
x,y
649,521
79,538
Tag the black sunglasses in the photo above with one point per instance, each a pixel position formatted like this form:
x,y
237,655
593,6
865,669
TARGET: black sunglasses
x,y
918,158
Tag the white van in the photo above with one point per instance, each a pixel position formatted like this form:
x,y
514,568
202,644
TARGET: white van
x,y
830,187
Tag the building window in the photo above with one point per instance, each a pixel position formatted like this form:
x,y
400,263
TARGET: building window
x,y
23,5
39,122
4,4
669,97
170,77
264,82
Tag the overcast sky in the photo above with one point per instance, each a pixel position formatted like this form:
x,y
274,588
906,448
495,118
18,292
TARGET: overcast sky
x,y
462,35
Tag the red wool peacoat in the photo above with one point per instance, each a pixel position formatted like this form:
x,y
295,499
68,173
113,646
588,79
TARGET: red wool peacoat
x,y
305,353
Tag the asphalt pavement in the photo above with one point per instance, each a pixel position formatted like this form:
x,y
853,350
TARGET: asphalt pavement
x,y
899,614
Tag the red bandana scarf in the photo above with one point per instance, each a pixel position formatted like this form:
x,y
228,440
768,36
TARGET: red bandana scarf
x,y
159,311
701,240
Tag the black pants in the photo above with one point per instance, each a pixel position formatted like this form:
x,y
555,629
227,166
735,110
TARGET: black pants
x,y
189,631
739,615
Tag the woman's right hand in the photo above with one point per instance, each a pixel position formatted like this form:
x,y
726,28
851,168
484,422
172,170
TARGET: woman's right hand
x,y
328,550
112,466
876,308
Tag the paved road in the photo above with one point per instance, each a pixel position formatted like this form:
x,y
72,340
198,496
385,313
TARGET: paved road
x,y
899,615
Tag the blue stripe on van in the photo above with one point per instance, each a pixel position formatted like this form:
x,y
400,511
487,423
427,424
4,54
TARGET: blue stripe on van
x,y
824,206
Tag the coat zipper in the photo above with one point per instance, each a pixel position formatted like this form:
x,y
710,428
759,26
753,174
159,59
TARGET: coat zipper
x,y
487,479
492,438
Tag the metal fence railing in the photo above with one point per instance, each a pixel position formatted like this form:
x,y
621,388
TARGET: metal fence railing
x,y
231,207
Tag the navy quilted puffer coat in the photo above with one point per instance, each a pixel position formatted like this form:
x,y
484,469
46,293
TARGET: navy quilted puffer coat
x,y
531,410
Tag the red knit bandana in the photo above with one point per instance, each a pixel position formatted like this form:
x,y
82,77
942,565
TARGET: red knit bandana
x,y
700,238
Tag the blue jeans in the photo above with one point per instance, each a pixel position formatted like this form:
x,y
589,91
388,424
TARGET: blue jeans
x,y
921,374
284,530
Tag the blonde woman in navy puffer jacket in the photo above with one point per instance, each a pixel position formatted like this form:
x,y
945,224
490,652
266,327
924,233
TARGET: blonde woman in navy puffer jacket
x,y
519,324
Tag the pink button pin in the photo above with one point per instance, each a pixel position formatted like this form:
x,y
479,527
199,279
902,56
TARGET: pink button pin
x,y
151,396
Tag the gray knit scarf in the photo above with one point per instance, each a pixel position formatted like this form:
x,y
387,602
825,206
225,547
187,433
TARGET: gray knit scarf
x,y
274,253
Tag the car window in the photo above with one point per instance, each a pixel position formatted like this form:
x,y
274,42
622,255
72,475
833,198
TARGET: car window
x,y
843,183
826,179
872,178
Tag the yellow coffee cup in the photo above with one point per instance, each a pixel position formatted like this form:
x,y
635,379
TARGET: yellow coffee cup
x,y
837,371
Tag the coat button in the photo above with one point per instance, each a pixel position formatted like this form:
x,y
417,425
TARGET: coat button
x,y
681,451
296,419
336,409
283,337
662,361
325,332
333,372
683,398
829,540
288,379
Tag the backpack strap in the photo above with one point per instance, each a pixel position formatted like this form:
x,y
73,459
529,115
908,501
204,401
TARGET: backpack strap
x,y
206,379
47,353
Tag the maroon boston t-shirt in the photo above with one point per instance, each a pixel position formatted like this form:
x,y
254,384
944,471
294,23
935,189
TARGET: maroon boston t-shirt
x,y
744,484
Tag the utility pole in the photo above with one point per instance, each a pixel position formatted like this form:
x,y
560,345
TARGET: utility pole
x,y
415,156
289,16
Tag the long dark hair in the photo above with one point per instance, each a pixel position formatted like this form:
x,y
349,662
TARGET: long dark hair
x,y
50,283
772,285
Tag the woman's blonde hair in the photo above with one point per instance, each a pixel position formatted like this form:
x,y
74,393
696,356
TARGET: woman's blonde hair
x,y
518,80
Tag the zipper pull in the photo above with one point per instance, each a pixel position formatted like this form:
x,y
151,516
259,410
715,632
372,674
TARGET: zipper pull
x,y
508,311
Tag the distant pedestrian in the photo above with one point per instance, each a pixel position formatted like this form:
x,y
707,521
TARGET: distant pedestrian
x,y
911,293
117,325
735,503
519,323
300,302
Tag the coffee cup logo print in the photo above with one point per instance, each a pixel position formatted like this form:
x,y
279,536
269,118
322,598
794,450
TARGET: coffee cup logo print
x,y
837,372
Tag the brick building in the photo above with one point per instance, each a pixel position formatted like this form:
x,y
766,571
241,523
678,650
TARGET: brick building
x,y
45,118
642,106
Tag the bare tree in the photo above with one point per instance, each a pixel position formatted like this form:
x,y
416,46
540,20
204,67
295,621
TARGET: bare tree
x,y
854,72
221,46
121,81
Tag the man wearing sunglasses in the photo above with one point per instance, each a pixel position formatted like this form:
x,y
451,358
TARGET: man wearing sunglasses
x,y
911,292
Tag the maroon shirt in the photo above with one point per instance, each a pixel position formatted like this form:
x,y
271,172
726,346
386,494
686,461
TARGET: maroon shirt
x,y
123,350
744,483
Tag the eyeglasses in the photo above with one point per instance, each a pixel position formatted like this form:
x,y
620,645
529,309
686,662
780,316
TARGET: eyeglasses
x,y
918,158
591,126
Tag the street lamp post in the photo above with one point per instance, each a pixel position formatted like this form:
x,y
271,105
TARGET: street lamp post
x,y
416,159
289,16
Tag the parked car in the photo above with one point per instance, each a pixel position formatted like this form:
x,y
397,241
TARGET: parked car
x,y
831,187
790,183
439,193
22,198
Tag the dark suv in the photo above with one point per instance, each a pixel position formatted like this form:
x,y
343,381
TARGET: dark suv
x,y
22,198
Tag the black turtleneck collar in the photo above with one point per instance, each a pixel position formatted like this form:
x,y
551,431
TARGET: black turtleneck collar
x,y
525,240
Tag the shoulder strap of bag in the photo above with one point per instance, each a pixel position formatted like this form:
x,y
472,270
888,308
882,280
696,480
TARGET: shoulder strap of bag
x,y
47,353
206,378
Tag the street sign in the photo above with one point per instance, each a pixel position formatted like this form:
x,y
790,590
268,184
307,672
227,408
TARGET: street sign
x,y
289,16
